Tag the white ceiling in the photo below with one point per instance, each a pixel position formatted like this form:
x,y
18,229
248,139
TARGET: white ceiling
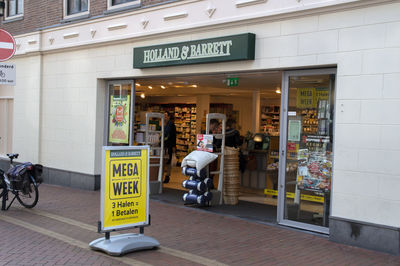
x,y
212,84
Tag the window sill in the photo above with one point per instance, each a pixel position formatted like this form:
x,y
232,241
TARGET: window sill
x,y
116,9
75,17
12,19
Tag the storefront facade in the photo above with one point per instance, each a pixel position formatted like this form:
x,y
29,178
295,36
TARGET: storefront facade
x,y
63,75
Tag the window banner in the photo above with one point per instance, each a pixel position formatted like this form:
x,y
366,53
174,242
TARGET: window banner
x,y
119,119
309,97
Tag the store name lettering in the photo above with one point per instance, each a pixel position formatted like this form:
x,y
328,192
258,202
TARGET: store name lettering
x,y
188,52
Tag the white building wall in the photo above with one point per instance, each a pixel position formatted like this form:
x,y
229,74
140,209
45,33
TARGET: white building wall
x,y
364,43
69,111
26,124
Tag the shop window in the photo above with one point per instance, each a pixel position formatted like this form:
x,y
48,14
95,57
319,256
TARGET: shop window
x,y
6,120
14,8
74,8
116,4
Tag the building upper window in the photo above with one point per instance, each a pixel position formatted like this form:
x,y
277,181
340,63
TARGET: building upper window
x,y
74,8
113,4
14,8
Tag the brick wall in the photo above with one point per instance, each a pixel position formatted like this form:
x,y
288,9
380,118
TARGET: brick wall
x,y
37,14
44,13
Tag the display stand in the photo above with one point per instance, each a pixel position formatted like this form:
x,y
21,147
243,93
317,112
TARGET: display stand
x,y
121,244
121,211
221,154
199,187
153,149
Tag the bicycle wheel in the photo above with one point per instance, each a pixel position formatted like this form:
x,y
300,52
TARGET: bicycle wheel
x,y
30,199
3,191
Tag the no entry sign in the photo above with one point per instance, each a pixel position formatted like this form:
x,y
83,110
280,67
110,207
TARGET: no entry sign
x,y
7,45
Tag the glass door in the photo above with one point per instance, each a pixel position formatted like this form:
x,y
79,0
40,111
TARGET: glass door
x,y
306,148
120,113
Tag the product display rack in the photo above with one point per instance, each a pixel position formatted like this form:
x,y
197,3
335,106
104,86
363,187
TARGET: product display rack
x,y
310,121
185,122
270,117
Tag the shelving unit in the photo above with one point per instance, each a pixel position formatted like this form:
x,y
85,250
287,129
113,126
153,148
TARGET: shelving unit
x,y
309,121
270,119
185,122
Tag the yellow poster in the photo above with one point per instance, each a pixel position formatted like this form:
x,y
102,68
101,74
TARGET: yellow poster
x,y
321,94
119,119
305,98
309,97
125,191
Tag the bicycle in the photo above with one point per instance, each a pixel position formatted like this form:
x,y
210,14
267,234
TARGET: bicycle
x,y
22,181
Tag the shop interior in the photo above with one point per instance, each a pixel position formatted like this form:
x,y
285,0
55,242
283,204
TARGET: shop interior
x,y
252,101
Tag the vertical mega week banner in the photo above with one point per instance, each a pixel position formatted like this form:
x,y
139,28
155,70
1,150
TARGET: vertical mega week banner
x,y
125,187
119,119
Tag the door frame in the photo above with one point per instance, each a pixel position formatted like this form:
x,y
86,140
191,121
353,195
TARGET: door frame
x,y
283,146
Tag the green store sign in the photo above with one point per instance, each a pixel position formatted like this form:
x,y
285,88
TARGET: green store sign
x,y
221,49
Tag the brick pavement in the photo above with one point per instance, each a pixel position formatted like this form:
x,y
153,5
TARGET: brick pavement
x,y
225,239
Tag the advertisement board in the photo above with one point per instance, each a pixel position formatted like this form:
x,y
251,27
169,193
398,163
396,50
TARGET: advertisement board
x,y
119,119
124,188
204,142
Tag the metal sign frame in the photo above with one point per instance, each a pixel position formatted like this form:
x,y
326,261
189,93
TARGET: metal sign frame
x,y
102,194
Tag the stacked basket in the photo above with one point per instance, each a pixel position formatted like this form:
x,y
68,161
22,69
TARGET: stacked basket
x,y
231,176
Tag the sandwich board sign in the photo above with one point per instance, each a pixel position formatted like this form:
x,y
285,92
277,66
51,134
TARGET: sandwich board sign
x,y
124,199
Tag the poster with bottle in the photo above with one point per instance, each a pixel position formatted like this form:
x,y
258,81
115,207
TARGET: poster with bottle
x,y
119,119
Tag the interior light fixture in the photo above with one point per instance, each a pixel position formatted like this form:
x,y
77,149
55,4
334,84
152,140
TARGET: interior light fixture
x,y
142,96
278,90
150,87
137,84
194,86
163,87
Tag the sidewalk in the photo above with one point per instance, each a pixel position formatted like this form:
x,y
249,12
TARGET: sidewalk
x,y
57,232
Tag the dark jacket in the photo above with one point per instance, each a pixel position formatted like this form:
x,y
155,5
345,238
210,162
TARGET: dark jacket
x,y
169,135
232,138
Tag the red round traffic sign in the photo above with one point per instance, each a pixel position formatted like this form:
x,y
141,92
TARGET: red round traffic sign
x,y
7,45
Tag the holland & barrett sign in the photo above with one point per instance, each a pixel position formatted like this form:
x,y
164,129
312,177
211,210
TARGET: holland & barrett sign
x,y
222,49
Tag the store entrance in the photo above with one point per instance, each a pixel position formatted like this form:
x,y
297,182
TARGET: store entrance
x,y
251,100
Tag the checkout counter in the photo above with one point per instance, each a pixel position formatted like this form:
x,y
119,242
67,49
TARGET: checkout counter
x,y
260,169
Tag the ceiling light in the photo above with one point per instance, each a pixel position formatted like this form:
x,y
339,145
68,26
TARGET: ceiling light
x,y
150,87
142,96
137,84
194,86
278,90
163,87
